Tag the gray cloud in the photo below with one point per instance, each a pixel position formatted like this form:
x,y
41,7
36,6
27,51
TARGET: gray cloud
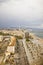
x,y
1,1
27,12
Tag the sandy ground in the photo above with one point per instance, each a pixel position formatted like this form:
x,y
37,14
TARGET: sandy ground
x,y
39,39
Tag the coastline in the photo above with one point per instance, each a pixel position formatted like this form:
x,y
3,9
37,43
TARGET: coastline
x,y
41,40
36,37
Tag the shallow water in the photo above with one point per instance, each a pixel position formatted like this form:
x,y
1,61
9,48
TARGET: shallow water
x,y
38,33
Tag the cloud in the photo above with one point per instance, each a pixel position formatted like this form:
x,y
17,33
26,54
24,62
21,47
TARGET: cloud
x,y
41,26
27,10
1,1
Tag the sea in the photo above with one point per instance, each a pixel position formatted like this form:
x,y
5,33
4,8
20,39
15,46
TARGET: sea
x,y
38,32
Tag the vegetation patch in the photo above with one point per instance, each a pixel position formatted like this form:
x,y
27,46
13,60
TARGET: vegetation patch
x,y
19,37
27,39
1,33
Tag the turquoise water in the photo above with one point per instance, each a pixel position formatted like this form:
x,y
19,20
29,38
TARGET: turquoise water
x,y
38,33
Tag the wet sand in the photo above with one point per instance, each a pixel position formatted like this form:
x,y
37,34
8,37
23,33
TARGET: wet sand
x,y
41,40
36,37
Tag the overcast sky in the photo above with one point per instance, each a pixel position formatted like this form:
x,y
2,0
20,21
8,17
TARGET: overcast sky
x,y
21,13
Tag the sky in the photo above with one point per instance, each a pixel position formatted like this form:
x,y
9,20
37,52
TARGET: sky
x,y
27,13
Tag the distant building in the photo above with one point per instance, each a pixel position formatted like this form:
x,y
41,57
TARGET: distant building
x,y
1,38
7,53
11,47
26,34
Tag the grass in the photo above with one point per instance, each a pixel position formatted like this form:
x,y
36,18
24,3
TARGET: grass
x,y
1,33
27,39
2,63
19,37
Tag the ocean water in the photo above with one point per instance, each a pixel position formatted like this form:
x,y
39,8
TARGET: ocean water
x,y
38,32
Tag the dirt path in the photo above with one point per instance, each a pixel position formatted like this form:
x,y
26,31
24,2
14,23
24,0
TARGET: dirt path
x,y
22,58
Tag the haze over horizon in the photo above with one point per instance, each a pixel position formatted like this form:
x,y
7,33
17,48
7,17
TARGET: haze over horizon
x,y
21,13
